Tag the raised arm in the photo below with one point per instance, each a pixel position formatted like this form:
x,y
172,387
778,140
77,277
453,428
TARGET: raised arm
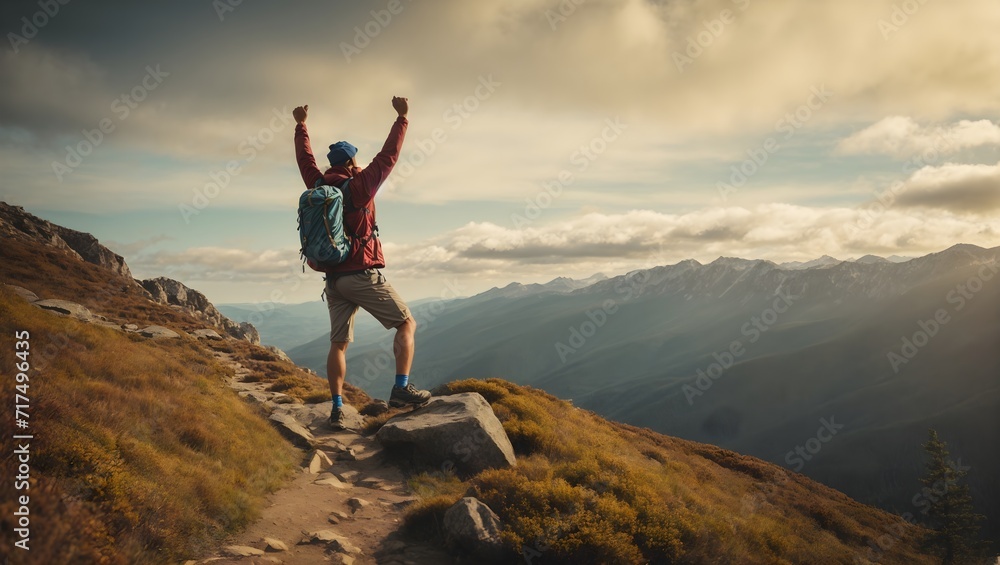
x,y
366,185
303,151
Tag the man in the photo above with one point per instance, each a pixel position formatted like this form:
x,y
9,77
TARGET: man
x,y
358,282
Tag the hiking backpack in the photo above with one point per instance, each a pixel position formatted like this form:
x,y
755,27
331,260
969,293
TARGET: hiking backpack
x,y
326,240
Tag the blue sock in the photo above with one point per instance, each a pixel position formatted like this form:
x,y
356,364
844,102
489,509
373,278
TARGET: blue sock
x,y
402,380
338,401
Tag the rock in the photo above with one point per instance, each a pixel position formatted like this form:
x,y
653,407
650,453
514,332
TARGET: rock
x,y
375,408
358,503
158,332
23,293
176,294
130,327
318,462
459,431
241,551
474,527
336,541
15,223
65,308
337,516
275,545
282,398
206,334
254,396
292,430
341,559
279,353
347,476
332,482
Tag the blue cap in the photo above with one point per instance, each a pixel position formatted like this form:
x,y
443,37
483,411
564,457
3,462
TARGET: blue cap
x,y
341,152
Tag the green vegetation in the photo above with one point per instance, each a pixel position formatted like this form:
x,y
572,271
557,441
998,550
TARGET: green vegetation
x,y
586,490
949,506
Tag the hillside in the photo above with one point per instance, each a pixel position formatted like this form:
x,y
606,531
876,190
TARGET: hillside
x,y
587,490
141,453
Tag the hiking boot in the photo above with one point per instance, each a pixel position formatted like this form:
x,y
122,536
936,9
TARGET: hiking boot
x,y
338,421
408,396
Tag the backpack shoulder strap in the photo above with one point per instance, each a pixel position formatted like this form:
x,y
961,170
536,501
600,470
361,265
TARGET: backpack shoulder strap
x,y
345,191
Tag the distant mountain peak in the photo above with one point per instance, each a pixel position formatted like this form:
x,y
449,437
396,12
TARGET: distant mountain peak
x,y
871,260
821,263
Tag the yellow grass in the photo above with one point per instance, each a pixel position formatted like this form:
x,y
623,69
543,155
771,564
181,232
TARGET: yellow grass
x,y
586,490
141,453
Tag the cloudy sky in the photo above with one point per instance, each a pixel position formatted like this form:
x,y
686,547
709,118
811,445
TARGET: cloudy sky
x,y
547,137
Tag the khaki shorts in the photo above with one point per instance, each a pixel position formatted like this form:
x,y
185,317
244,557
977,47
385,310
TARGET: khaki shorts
x,y
368,290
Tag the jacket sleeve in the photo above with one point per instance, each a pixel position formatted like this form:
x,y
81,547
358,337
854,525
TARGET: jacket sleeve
x,y
366,185
304,156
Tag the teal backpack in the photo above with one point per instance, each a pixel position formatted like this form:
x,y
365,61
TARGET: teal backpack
x,y
326,241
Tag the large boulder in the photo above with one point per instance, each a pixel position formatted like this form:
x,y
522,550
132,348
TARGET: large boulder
x,y
474,527
292,430
66,308
458,432
158,332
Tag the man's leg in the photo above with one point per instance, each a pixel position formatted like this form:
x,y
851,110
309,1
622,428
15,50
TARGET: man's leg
x,y
402,345
336,367
342,312
372,292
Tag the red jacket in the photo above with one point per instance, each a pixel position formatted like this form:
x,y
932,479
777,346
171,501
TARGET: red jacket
x,y
360,218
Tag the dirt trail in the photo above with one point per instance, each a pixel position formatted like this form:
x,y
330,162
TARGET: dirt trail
x,y
359,497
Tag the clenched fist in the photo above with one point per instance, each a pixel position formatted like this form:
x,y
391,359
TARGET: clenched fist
x,y
300,114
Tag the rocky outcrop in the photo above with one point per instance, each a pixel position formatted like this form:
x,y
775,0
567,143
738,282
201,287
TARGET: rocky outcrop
x,y
66,308
458,432
474,527
174,293
292,430
16,223
158,332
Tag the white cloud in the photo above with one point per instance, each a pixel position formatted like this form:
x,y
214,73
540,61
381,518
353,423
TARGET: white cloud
x,y
902,137
960,188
